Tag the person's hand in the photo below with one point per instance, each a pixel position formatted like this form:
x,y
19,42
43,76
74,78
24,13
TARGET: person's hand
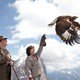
x,y
31,78
11,63
43,42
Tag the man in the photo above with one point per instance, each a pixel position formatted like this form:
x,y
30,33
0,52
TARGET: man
x,y
5,60
32,63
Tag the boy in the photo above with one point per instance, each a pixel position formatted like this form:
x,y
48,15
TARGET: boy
x,y
32,65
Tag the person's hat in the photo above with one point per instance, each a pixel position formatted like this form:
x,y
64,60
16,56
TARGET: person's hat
x,y
2,38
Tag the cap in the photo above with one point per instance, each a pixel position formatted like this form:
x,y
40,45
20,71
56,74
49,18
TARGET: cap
x,y
2,38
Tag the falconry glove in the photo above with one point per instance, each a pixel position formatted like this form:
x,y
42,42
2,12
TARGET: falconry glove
x,y
43,42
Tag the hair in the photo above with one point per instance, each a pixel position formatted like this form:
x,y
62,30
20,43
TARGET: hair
x,y
28,50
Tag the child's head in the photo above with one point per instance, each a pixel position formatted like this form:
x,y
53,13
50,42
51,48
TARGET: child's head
x,y
30,50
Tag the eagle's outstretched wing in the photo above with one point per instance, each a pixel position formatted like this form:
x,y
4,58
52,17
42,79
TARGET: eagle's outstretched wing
x,y
66,28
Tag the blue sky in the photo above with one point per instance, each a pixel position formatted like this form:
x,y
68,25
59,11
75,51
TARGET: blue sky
x,y
7,14
24,22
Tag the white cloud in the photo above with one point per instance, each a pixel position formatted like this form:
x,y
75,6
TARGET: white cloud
x,y
34,18
60,55
12,41
69,7
26,30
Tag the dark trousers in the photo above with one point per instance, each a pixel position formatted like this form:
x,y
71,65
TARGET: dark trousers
x,y
8,70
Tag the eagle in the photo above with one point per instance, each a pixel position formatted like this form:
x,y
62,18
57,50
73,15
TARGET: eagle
x,y
67,29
